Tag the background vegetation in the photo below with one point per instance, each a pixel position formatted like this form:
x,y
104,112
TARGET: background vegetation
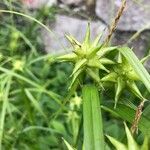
x,y
33,92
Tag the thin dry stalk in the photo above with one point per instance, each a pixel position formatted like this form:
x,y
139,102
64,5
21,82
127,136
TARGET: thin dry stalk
x,y
115,22
134,127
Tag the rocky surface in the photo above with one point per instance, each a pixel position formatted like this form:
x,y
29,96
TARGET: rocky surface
x,y
69,25
135,17
140,44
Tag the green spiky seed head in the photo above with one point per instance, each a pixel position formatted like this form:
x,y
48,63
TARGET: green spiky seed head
x,y
86,57
124,76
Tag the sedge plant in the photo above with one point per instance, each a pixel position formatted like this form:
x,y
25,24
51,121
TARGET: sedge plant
x,y
103,65
123,71
116,66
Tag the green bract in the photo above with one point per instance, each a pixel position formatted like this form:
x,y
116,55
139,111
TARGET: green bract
x,y
90,57
131,144
123,75
87,57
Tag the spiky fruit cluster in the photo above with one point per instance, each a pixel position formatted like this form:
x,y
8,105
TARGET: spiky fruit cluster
x,y
123,75
87,57
90,57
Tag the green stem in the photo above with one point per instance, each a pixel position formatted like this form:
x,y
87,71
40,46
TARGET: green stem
x,y
92,119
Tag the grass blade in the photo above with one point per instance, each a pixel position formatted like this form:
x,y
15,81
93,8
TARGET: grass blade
x,y
93,128
5,98
34,102
127,113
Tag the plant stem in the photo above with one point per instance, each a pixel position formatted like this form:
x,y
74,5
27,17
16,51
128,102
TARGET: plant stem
x,y
115,22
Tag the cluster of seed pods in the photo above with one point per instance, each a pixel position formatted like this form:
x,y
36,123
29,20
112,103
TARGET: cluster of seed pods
x,y
90,58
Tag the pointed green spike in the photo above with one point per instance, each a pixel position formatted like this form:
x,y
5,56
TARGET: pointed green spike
x,y
131,143
93,75
118,145
119,87
96,41
79,65
87,35
145,145
112,77
97,64
75,77
72,40
102,67
106,61
132,75
143,60
68,57
105,50
93,51
134,89
119,59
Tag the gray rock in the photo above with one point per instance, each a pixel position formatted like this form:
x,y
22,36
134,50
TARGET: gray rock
x,y
71,2
57,43
34,4
140,44
135,17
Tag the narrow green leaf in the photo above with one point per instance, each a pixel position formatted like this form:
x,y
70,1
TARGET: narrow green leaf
x,y
93,128
5,87
137,66
87,120
143,60
131,142
128,114
34,102
145,145
75,77
68,145
93,75
79,65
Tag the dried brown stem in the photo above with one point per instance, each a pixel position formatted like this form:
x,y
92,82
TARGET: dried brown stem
x,y
134,127
115,22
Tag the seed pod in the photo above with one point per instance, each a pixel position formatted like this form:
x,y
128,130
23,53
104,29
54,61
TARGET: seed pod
x,y
85,57
134,89
111,77
119,87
